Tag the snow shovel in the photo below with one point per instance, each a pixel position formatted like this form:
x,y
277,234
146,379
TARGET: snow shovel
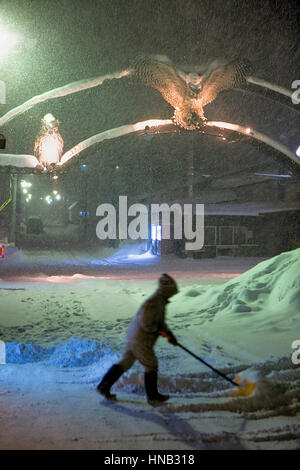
x,y
245,387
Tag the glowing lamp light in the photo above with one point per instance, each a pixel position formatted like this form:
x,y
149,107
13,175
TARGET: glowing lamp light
x,y
25,184
7,42
248,130
144,256
25,191
298,152
50,148
156,232
153,232
58,197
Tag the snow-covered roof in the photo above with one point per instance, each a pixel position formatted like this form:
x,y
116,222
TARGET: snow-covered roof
x,y
246,208
25,161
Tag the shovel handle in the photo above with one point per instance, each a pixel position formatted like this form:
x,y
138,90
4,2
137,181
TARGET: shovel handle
x,y
208,365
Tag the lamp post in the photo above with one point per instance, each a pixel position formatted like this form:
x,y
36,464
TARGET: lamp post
x,y
190,172
150,168
84,168
13,208
149,242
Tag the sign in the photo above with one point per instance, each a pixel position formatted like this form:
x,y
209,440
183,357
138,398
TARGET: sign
x,y
2,141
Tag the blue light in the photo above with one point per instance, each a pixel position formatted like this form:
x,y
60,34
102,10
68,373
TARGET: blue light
x,y
144,256
153,232
156,232
84,166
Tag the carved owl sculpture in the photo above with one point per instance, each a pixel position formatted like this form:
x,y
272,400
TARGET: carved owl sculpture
x,y
48,147
189,93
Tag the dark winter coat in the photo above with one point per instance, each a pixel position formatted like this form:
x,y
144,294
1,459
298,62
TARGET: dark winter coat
x,y
149,320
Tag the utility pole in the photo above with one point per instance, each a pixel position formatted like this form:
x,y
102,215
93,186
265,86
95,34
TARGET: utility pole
x,y
150,202
150,168
190,172
13,207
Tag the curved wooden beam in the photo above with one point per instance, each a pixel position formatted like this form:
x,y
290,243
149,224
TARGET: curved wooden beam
x,y
270,86
154,126
59,92
258,136
112,134
167,125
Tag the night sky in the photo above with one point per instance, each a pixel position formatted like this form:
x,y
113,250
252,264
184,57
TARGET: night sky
x,y
69,40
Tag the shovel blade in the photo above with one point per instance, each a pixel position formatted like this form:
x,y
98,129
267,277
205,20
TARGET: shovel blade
x,y
245,387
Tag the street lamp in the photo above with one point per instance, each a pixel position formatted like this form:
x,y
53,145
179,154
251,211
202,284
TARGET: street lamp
x,y
7,42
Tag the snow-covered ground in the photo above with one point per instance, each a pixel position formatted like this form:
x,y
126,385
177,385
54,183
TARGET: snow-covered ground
x,y
128,261
63,330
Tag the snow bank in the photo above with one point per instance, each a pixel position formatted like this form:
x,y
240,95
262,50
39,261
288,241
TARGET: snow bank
x,y
85,362
80,328
18,353
272,284
73,353
258,312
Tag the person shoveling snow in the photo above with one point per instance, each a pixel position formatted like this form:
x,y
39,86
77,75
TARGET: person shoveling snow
x,y
143,332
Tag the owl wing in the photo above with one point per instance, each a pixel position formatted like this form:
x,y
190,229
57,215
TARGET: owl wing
x,y
162,77
228,76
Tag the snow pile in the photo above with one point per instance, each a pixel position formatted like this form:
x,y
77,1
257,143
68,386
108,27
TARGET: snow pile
x,y
272,284
74,353
19,353
258,312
